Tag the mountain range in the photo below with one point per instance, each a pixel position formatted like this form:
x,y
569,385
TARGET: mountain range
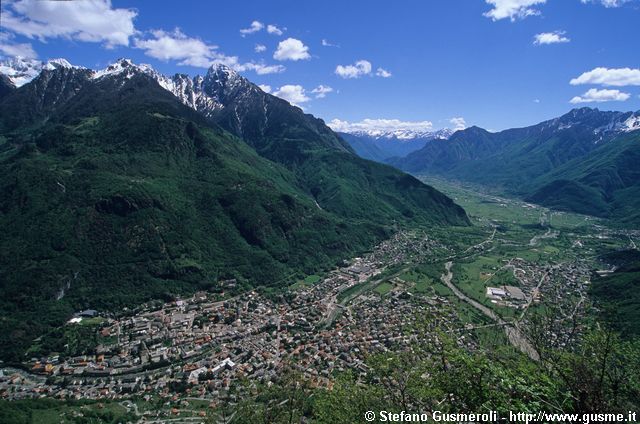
x,y
123,185
584,161
383,145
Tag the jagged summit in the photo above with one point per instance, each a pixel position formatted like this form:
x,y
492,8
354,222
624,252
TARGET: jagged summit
x,y
122,66
206,94
603,124
223,71
59,63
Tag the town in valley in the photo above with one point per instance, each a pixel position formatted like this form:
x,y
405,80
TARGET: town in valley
x,y
481,287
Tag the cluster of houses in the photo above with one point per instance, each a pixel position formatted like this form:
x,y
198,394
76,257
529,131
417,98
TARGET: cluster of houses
x,y
206,344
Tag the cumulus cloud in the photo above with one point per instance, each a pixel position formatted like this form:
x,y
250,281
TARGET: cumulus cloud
x,y
597,96
617,77
11,49
381,125
177,46
550,38
458,123
321,91
512,9
264,87
92,21
358,69
254,27
291,49
383,73
272,29
260,48
294,94
191,51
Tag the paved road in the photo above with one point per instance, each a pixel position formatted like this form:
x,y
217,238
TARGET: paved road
x,y
515,336
536,290
482,243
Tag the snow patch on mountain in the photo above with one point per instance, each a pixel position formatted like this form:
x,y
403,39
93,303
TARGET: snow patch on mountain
x,y
632,123
402,134
21,70
59,63
392,129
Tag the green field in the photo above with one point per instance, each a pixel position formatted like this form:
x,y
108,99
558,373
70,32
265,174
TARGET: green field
x,y
383,288
523,230
306,282
49,411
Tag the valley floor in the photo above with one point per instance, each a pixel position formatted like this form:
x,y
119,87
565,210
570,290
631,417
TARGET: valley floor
x,y
483,285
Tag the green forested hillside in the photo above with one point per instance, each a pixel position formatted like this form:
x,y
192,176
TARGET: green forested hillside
x,y
339,181
618,294
583,161
605,183
123,194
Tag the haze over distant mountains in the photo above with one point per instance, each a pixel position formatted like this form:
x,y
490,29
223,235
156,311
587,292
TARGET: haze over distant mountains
x,y
584,161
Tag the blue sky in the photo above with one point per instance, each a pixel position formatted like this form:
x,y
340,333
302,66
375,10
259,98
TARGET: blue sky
x,y
411,61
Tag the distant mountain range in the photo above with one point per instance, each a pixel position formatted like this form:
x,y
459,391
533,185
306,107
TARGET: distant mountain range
x,y
383,145
123,185
584,161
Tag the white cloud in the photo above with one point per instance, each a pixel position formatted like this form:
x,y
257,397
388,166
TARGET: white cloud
x,y
358,69
550,38
595,95
607,3
326,43
260,48
294,94
321,91
383,73
536,100
458,123
254,27
21,49
382,125
195,52
619,77
261,69
91,21
272,29
264,87
512,9
257,26
291,49
11,49
177,46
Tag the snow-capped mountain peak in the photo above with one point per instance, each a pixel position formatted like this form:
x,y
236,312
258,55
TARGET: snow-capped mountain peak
x,y
605,125
59,63
20,70
402,134
122,67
